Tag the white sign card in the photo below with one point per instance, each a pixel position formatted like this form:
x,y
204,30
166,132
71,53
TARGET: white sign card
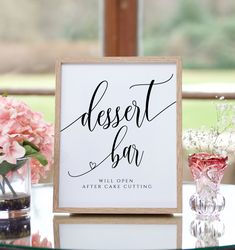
x,y
118,233
118,136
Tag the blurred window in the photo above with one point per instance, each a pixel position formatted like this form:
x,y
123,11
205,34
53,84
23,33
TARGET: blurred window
x,y
202,32
33,34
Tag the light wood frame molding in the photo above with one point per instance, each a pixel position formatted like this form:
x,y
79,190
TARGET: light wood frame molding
x,y
103,210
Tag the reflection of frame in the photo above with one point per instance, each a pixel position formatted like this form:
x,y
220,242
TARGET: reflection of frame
x,y
118,136
118,232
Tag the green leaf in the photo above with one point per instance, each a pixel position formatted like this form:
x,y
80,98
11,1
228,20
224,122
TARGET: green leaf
x,y
41,158
34,153
29,150
6,167
19,164
28,143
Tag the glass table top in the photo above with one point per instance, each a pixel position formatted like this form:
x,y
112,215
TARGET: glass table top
x,y
124,231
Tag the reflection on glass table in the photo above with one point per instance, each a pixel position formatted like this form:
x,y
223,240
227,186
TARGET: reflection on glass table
x,y
46,229
207,232
118,232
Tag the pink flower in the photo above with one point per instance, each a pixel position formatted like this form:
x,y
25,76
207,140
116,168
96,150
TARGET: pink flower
x,y
37,242
12,151
19,123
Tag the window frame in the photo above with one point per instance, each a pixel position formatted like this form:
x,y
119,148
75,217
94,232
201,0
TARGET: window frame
x,y
121,27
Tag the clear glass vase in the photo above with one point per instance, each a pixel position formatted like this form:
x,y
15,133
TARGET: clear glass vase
x,y
15,188
207,171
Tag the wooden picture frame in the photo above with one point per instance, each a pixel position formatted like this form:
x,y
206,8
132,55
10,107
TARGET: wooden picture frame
x,y
75,84
144,224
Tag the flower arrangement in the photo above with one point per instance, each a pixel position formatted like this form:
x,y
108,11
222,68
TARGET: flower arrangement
x,y
210,159
23,133
218,139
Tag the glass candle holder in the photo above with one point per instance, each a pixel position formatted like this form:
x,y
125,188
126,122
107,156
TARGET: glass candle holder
x,y
207,171
15,188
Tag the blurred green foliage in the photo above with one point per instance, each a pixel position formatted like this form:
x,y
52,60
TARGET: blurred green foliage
x,y
201,35
45,20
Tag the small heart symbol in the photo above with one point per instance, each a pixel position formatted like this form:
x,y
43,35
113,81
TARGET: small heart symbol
x,y
92,165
